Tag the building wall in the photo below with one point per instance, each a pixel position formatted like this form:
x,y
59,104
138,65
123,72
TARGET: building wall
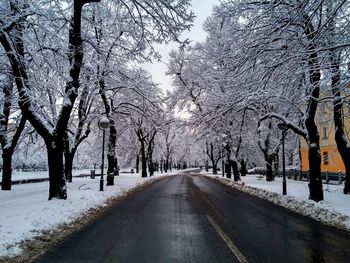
x,y
331,160
334,164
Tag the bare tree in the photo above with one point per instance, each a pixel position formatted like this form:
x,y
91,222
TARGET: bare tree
x,y
9,136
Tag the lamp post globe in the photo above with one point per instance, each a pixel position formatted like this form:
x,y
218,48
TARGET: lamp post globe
x,y
103,124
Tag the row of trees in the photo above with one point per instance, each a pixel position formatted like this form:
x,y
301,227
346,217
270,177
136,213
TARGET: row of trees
x,y
264,63
66,63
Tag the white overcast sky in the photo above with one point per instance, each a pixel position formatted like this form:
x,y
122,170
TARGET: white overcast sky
x,y
202,9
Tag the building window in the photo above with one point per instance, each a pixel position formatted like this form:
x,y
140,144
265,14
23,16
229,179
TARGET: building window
x,y
324,133
325,158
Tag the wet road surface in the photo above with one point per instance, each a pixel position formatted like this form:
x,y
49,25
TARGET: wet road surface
x,y
187,218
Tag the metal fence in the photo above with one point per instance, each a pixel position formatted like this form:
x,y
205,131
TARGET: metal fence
x,y
328,177
335,177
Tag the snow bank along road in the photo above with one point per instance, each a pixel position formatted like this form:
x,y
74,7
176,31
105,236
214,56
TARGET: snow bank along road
x,y
188,218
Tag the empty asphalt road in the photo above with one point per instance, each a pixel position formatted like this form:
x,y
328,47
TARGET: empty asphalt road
x,y
189,218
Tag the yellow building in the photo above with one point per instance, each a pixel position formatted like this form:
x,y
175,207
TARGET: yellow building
x,y
331,160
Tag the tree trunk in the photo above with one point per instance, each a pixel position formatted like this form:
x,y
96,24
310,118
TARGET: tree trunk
x,y
68,166
234,166
150,163
338,117
206,166
68,160
143,160
243,168
111,153
265,147
150,168
166,165
57,187
6,169
215,167
150,148
110,169
228,170
269,173
214,162
137,163
315,185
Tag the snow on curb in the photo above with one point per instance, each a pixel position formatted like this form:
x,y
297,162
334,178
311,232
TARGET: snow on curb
x,y
314,210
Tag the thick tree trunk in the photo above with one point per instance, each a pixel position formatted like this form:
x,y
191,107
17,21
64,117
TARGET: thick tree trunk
x,y
110,169
166,165
269,173
137,163
57,187
315,185
234,166
338,117
344,152
150,148
111,153
243,168
150,168
228,170
210,154
150,164
215,167
143,160
7,149
6,169
269,154
7,153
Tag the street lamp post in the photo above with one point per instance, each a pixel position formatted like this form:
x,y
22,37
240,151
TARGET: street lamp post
x,y
103,124
284,129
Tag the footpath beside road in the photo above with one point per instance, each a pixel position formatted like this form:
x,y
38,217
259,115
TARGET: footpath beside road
x,y
189,218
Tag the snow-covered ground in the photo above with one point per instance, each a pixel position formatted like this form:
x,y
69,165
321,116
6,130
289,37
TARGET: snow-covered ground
x,y
25,210
334,210
19,175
